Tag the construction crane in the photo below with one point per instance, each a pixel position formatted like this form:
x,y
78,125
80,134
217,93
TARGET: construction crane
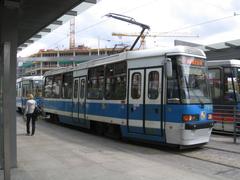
x,y
153,35
131,21
72,34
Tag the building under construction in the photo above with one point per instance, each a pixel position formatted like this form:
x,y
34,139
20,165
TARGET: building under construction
x,y
45,60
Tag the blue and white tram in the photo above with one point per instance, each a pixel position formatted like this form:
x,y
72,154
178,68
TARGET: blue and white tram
x,y
151,95
28,85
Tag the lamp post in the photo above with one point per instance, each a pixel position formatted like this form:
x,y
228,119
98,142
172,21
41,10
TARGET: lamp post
x,y
107,40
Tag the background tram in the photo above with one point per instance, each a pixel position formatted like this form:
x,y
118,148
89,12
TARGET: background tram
x,y
28,85
224,79
159,96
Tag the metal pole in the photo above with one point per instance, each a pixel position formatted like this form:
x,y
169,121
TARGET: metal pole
x,y
234,125
6,110
98,46
1,116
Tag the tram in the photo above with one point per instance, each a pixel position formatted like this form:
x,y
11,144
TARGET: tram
x,y
224,80
28,85
159,95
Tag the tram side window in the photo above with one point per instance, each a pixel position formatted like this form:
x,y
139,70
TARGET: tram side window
x,y
75,90
136,86
172,89
214,79
237,84
19,89
116,81
37,88
153,85
82,88
95,82
56,86
67,86
27,88
228,95
48,87
24,93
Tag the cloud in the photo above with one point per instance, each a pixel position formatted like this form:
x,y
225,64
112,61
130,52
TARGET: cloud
x,y
162,16
235,4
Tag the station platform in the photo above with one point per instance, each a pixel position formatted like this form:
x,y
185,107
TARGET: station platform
x,y
58,152
224,142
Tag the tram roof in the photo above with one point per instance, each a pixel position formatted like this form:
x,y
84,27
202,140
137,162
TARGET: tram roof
x,y
131,55
30,78
224,62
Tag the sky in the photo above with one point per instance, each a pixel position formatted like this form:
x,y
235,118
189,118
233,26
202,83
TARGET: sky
x,y
205,21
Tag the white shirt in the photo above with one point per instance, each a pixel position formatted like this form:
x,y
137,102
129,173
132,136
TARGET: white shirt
x,y
30,106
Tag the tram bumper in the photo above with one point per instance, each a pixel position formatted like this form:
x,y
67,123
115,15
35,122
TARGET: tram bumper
x,y
196,132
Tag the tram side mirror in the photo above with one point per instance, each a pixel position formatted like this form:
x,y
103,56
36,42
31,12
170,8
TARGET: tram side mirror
x,y
169,67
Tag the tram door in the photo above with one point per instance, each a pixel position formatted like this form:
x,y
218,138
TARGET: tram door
x,y
82,99
135,101
79,100
75,103
145,101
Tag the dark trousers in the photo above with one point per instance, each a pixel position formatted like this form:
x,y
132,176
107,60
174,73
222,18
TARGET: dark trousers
x,y
29,118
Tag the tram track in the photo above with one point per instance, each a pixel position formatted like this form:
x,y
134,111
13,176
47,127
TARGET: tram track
x,y
213,155
224,150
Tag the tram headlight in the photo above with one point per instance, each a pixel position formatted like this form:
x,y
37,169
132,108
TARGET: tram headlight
x,y
210,116
190,117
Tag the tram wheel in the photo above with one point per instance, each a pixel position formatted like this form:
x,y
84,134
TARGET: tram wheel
x,y
54,118
113,131
98,128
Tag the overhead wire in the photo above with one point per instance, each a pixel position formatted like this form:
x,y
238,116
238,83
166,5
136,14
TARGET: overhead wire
x,y
202,23
144,5
105,20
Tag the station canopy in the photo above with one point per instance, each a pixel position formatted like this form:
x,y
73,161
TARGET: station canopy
x,y
217,51
221,45
38,18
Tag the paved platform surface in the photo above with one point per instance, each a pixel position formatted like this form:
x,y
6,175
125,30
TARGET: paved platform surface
x,y
224,142
61,153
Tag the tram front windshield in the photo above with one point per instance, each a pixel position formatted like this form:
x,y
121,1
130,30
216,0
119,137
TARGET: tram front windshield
x,y
188,84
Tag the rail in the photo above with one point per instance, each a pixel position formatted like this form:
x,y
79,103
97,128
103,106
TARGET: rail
x,y
227,120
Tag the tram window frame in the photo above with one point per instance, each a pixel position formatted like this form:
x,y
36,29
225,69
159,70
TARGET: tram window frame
x,y
27,87
153,86
75,88
237,83
173,89
218,90
228,88
82,88
19,89
56,86
135,93
115,81
95,85
67,85
37,88
49,88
